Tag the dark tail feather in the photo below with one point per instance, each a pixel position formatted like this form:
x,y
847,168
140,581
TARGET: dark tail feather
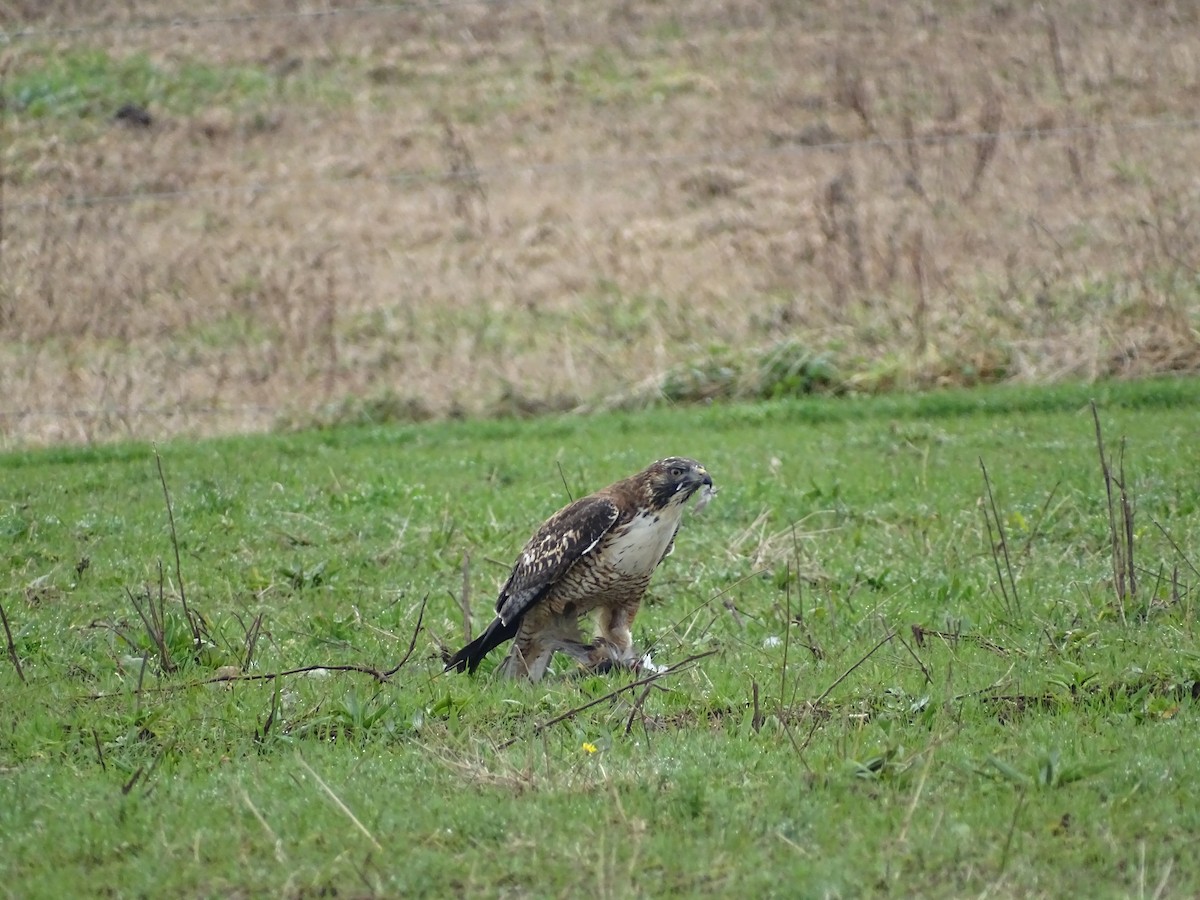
x,y
470,656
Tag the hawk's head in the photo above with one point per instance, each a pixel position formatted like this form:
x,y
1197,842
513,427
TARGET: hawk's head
x,y
673,480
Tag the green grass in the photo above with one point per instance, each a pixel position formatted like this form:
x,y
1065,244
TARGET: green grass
x,y
1040,745
86,83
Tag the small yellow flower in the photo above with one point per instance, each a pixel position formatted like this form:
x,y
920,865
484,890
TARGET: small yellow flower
x,y
589,747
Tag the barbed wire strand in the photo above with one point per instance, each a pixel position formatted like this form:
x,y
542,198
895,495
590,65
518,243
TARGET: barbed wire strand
x,y
195,22
598,164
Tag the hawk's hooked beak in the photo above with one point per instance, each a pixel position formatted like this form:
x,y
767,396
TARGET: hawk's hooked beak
x,y
703,483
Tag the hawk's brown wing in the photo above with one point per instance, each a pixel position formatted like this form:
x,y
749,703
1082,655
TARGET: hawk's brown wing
x,y
566,537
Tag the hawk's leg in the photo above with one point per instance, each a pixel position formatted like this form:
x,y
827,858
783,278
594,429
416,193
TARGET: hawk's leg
x,y
526,660
613,646
563,636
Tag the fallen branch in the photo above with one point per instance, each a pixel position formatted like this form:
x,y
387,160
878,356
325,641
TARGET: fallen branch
x,y
381,676
624,689
920,633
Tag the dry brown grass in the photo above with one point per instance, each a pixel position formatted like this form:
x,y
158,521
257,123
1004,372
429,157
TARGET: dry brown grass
x,y
514,207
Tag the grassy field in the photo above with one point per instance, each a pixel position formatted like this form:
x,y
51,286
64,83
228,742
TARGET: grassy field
x,y
919,682
430,210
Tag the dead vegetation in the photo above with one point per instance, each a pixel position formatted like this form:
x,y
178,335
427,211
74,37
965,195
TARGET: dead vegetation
x,y
512,208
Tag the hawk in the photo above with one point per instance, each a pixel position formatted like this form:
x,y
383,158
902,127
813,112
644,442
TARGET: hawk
x,y
597,553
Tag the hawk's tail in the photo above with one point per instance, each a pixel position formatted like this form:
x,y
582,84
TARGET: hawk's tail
x,y
470,656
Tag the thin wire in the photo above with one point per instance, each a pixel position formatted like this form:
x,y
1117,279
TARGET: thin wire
x,y
8,37
595,164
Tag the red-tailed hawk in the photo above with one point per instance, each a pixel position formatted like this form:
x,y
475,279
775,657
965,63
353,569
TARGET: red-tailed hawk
x,y
597,553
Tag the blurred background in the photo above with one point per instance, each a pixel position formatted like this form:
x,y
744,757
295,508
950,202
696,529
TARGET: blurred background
x,y
237,216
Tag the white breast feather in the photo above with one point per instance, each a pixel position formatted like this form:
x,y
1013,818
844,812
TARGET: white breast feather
x,y
640,548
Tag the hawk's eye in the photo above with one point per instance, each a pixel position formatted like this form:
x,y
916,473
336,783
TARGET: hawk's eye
x,y
676,471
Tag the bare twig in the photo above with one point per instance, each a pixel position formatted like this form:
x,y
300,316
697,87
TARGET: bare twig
x,y
920,633
1016,599
197,635
787,640
153,618
916,659
696,610
787,636
260,736
809,640
637,707
566,487
624,689
412,644
987,521
813,704
377,674
829,690
99,751
1120,536
252,635
133,779
464,597
1178,549
141,678
12,646
1037,527
1127,520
